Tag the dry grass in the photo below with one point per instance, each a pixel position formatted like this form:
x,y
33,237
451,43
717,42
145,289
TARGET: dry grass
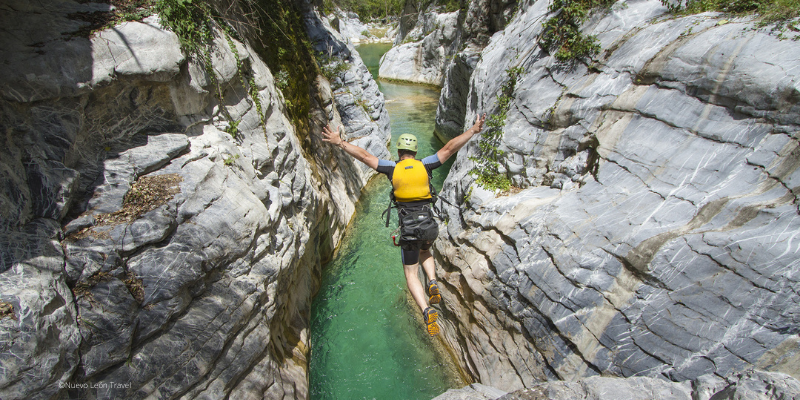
x,y
84,289
7,310
135,286
124,10
146,194
378,32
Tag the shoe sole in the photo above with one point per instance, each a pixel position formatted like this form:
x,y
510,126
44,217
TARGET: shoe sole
x,y
435,297
432,317
430,322
433,328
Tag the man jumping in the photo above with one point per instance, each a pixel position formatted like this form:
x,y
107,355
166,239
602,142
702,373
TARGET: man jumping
x,y
411,189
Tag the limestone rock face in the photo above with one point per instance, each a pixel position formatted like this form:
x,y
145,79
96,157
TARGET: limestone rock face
x,y
750,385
452,108
475,391
443,50
654,229
350,27
423,59
148,248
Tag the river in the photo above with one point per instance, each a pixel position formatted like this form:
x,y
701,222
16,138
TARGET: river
x,y
367,336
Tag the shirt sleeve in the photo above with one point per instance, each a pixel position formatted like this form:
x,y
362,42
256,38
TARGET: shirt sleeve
x,y
386,167
431,162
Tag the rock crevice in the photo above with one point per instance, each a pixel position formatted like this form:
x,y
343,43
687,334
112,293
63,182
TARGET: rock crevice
x,y
657,236
146,239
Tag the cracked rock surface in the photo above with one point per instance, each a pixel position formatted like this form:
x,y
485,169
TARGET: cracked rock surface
x,y
654,231
145,252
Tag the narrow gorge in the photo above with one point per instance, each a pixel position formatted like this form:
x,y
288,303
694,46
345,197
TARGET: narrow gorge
x,y
166,216
164,219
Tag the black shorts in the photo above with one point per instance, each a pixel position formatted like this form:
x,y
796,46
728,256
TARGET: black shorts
x,y
410,251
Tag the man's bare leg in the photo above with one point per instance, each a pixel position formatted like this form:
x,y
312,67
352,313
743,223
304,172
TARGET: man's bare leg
x,y
426,258
429,267
414,286
429,314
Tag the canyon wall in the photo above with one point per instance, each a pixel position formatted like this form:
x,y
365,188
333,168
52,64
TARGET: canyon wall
x,y
652,227
442,49
158,240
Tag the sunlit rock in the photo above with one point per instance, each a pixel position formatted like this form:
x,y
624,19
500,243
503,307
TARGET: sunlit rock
x,y
158,238
652,231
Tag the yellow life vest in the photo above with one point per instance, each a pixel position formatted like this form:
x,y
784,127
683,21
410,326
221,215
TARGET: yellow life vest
x,y
410,181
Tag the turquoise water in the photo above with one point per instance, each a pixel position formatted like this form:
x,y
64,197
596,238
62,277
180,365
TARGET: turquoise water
x,y
367,337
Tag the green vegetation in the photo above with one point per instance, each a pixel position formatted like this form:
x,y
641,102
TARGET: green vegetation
x,y
366,9
444,5
123,10
233,128
331,67
284,45
230,160
778,12
487,164
561,35
193,21
378,9
281,41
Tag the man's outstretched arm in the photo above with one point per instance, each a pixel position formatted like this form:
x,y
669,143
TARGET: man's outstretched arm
x,y
335,138
455,144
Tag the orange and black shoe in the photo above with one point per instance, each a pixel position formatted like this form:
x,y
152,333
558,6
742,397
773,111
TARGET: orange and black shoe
x,y
433,292
431,316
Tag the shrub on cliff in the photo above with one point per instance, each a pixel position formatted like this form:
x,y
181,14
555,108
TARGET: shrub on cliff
x,y
487,163
562,37
274,28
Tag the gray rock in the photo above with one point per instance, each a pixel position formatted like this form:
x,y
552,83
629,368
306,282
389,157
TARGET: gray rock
x,y
423,61
475,391
749,385
452,108
107,323
356,96
443,50
653,232
134,50
601,388
189,297
349,26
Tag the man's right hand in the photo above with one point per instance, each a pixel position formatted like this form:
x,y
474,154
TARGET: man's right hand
x,y
479,121
335,138
331,136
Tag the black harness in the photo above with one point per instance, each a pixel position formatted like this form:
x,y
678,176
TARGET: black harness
x,y
416,219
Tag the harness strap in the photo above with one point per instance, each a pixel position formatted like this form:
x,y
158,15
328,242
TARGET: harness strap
x,y
393,203
387,213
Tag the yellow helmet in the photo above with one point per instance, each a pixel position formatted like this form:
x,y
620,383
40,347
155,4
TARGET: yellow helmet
x,y
407,141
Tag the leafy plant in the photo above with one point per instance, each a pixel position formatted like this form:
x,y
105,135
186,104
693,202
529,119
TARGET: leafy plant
x,y
189,20
284,45
123,10
561,35
194,22
331,67
282,79
233,128
230,160
487,162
